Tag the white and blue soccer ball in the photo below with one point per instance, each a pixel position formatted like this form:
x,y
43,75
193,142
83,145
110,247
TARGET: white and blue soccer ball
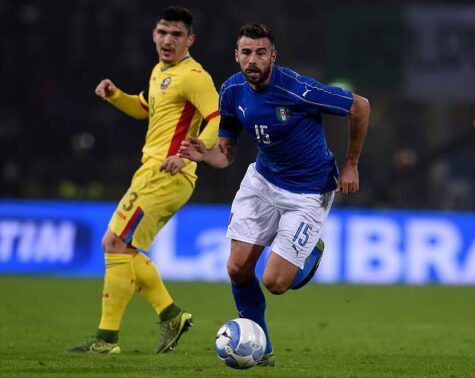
x,y
240,343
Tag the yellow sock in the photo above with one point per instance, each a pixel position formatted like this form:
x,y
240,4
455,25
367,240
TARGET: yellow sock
x,y
119,286
150,284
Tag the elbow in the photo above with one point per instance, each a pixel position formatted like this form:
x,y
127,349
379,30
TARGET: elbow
x,y
139,116
361,107
366,106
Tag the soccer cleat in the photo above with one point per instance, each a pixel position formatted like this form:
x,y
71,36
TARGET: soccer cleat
x,y
268,359
171,331
96,345
302,281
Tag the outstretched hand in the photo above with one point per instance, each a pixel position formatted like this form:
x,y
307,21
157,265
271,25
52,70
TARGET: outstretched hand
x,y
348,182
105,89
193,149
172,164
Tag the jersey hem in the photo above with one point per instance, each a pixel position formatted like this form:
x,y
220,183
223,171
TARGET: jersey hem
x,y
280,184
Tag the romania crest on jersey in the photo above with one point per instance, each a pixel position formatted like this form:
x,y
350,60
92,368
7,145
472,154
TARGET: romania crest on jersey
x,y
165,83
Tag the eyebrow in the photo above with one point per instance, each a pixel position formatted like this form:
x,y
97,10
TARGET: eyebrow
x,y
174,32
257,50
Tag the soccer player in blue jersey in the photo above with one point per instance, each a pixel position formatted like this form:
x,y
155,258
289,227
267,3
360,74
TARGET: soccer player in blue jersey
x,y
285,196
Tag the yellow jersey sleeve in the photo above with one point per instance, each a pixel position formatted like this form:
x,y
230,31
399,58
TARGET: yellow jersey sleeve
x,y
209,135
199,89
133,105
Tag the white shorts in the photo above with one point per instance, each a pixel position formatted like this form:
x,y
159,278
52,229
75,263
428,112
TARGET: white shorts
x,y
264,214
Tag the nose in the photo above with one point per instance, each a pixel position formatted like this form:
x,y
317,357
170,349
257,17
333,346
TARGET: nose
x,y
253,58
167,39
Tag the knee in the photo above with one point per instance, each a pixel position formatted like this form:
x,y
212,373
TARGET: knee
x,y
275,285
239,274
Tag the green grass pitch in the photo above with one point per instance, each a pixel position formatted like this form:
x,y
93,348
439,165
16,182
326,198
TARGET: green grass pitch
x,y
321,330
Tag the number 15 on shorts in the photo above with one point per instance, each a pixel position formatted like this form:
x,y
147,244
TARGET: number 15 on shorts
x,y
302,234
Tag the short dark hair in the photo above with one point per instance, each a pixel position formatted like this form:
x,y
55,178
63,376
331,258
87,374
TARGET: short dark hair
x,y
176,13
256,31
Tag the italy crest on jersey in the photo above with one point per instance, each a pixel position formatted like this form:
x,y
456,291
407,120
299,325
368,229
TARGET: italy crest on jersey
x,y
283,114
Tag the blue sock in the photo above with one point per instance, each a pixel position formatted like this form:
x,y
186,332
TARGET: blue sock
x,y
251,304
302,274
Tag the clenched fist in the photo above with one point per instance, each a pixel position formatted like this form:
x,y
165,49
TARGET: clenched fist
x,y
105,89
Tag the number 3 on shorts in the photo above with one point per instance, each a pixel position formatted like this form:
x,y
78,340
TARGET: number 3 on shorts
x,y
303,229
132,198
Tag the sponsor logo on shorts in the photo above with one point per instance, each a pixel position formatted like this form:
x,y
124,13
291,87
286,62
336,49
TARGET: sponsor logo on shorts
x,y
295,249
230,218
121,215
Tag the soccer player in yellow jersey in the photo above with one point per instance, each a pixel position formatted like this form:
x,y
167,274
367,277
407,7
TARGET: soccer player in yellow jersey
x,y
180,96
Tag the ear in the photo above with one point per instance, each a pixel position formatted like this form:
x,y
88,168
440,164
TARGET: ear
x,y
273,56
236,55
154,35
191,40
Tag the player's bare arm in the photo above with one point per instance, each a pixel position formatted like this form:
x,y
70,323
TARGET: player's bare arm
x,y
105,89
220,156
348,182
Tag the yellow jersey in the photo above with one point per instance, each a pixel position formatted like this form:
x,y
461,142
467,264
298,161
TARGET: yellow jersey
x,y
180,96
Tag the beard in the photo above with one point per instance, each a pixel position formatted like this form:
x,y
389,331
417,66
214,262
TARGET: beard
x,y
256,76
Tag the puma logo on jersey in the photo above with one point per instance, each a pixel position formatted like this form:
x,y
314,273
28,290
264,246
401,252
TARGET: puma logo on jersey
x,y
243,110
306,91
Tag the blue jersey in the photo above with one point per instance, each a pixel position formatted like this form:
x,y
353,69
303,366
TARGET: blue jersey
x,y
285,120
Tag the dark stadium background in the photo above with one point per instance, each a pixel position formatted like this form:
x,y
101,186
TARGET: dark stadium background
x,y
394,295
58,140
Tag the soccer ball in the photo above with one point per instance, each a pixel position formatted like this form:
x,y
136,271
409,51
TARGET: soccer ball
x,y
240,343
